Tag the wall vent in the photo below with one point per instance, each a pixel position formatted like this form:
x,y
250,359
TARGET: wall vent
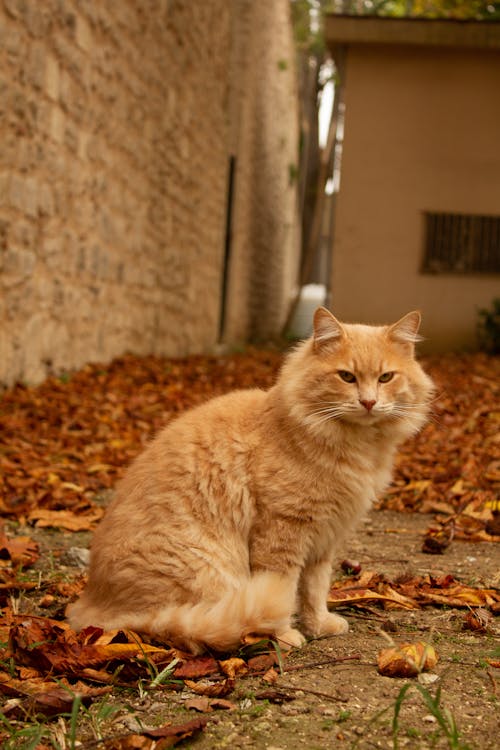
x,y
461,243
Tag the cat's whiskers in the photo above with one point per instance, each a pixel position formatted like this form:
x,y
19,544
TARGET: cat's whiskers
x,y
331,410
404,411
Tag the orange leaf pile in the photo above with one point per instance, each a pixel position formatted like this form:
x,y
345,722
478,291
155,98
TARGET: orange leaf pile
x,y
453,466
72,437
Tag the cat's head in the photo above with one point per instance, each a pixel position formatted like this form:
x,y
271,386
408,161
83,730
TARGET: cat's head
x,y
360,375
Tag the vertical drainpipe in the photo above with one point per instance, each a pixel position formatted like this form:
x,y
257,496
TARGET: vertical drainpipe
x,y
227,245
339,54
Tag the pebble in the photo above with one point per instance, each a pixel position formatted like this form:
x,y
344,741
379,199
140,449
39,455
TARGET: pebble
x,y
79,556
292,709
427,678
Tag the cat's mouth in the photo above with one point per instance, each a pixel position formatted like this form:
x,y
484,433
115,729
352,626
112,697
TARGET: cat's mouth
x,y
367,416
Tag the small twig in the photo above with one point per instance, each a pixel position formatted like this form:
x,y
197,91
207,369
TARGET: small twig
x,y
386,637
323,662
318,693
387,560
309,665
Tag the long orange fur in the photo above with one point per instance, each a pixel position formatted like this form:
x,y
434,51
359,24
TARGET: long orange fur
x,y
229,522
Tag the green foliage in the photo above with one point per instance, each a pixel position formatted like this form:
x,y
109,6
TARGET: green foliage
x,y
453,9
488,328
27,736
307,18
443,716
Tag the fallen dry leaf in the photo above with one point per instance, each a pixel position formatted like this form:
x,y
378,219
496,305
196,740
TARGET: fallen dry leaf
x,y
271,676
234,666
410,593
477,620
65,519
407,659
200,703
157,739
211,689
19,551
201,666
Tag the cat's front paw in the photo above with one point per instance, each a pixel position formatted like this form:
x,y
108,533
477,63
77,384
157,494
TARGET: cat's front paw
x,y
329,624
332,624
290,639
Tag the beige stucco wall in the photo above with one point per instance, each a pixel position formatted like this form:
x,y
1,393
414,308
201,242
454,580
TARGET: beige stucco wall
x,y
421,133
115,131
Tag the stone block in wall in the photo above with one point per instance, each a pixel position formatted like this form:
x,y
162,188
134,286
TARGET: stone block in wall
x,y
46,203
57,124
37,17
83,33
17,265
23,194
52,77
16,46
34,69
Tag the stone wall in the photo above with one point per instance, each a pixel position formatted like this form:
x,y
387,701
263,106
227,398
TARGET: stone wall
x,y
116,122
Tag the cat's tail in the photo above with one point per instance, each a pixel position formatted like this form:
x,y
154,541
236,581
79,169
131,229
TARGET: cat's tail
x,y
262,605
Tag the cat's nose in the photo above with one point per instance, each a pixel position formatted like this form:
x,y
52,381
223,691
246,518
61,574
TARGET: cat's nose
x,y
368,404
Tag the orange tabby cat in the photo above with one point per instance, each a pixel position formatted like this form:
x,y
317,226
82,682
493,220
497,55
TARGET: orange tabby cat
x,y
229,521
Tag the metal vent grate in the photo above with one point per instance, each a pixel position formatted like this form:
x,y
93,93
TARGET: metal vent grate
x,y
461,243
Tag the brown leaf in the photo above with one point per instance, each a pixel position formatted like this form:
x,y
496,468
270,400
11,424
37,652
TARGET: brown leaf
x,y
358,595
168,736
271,676
20,551
477,620
198,667
130,742
211,689
262,662
233,667
406,660
65,519
201,704
222,704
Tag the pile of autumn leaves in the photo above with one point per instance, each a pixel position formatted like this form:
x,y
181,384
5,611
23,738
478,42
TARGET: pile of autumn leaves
x,y
65,443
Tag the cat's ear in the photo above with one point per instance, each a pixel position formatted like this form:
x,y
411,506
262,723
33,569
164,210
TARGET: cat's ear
x,y
405,331
326,329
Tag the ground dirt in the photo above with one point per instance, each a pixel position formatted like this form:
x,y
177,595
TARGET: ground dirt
x,y
330,693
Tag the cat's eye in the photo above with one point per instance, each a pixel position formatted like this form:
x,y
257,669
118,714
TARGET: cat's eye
x,y
347,377
385,377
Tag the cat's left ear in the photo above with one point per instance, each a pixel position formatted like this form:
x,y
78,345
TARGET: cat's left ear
x,y
326,329
405,331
